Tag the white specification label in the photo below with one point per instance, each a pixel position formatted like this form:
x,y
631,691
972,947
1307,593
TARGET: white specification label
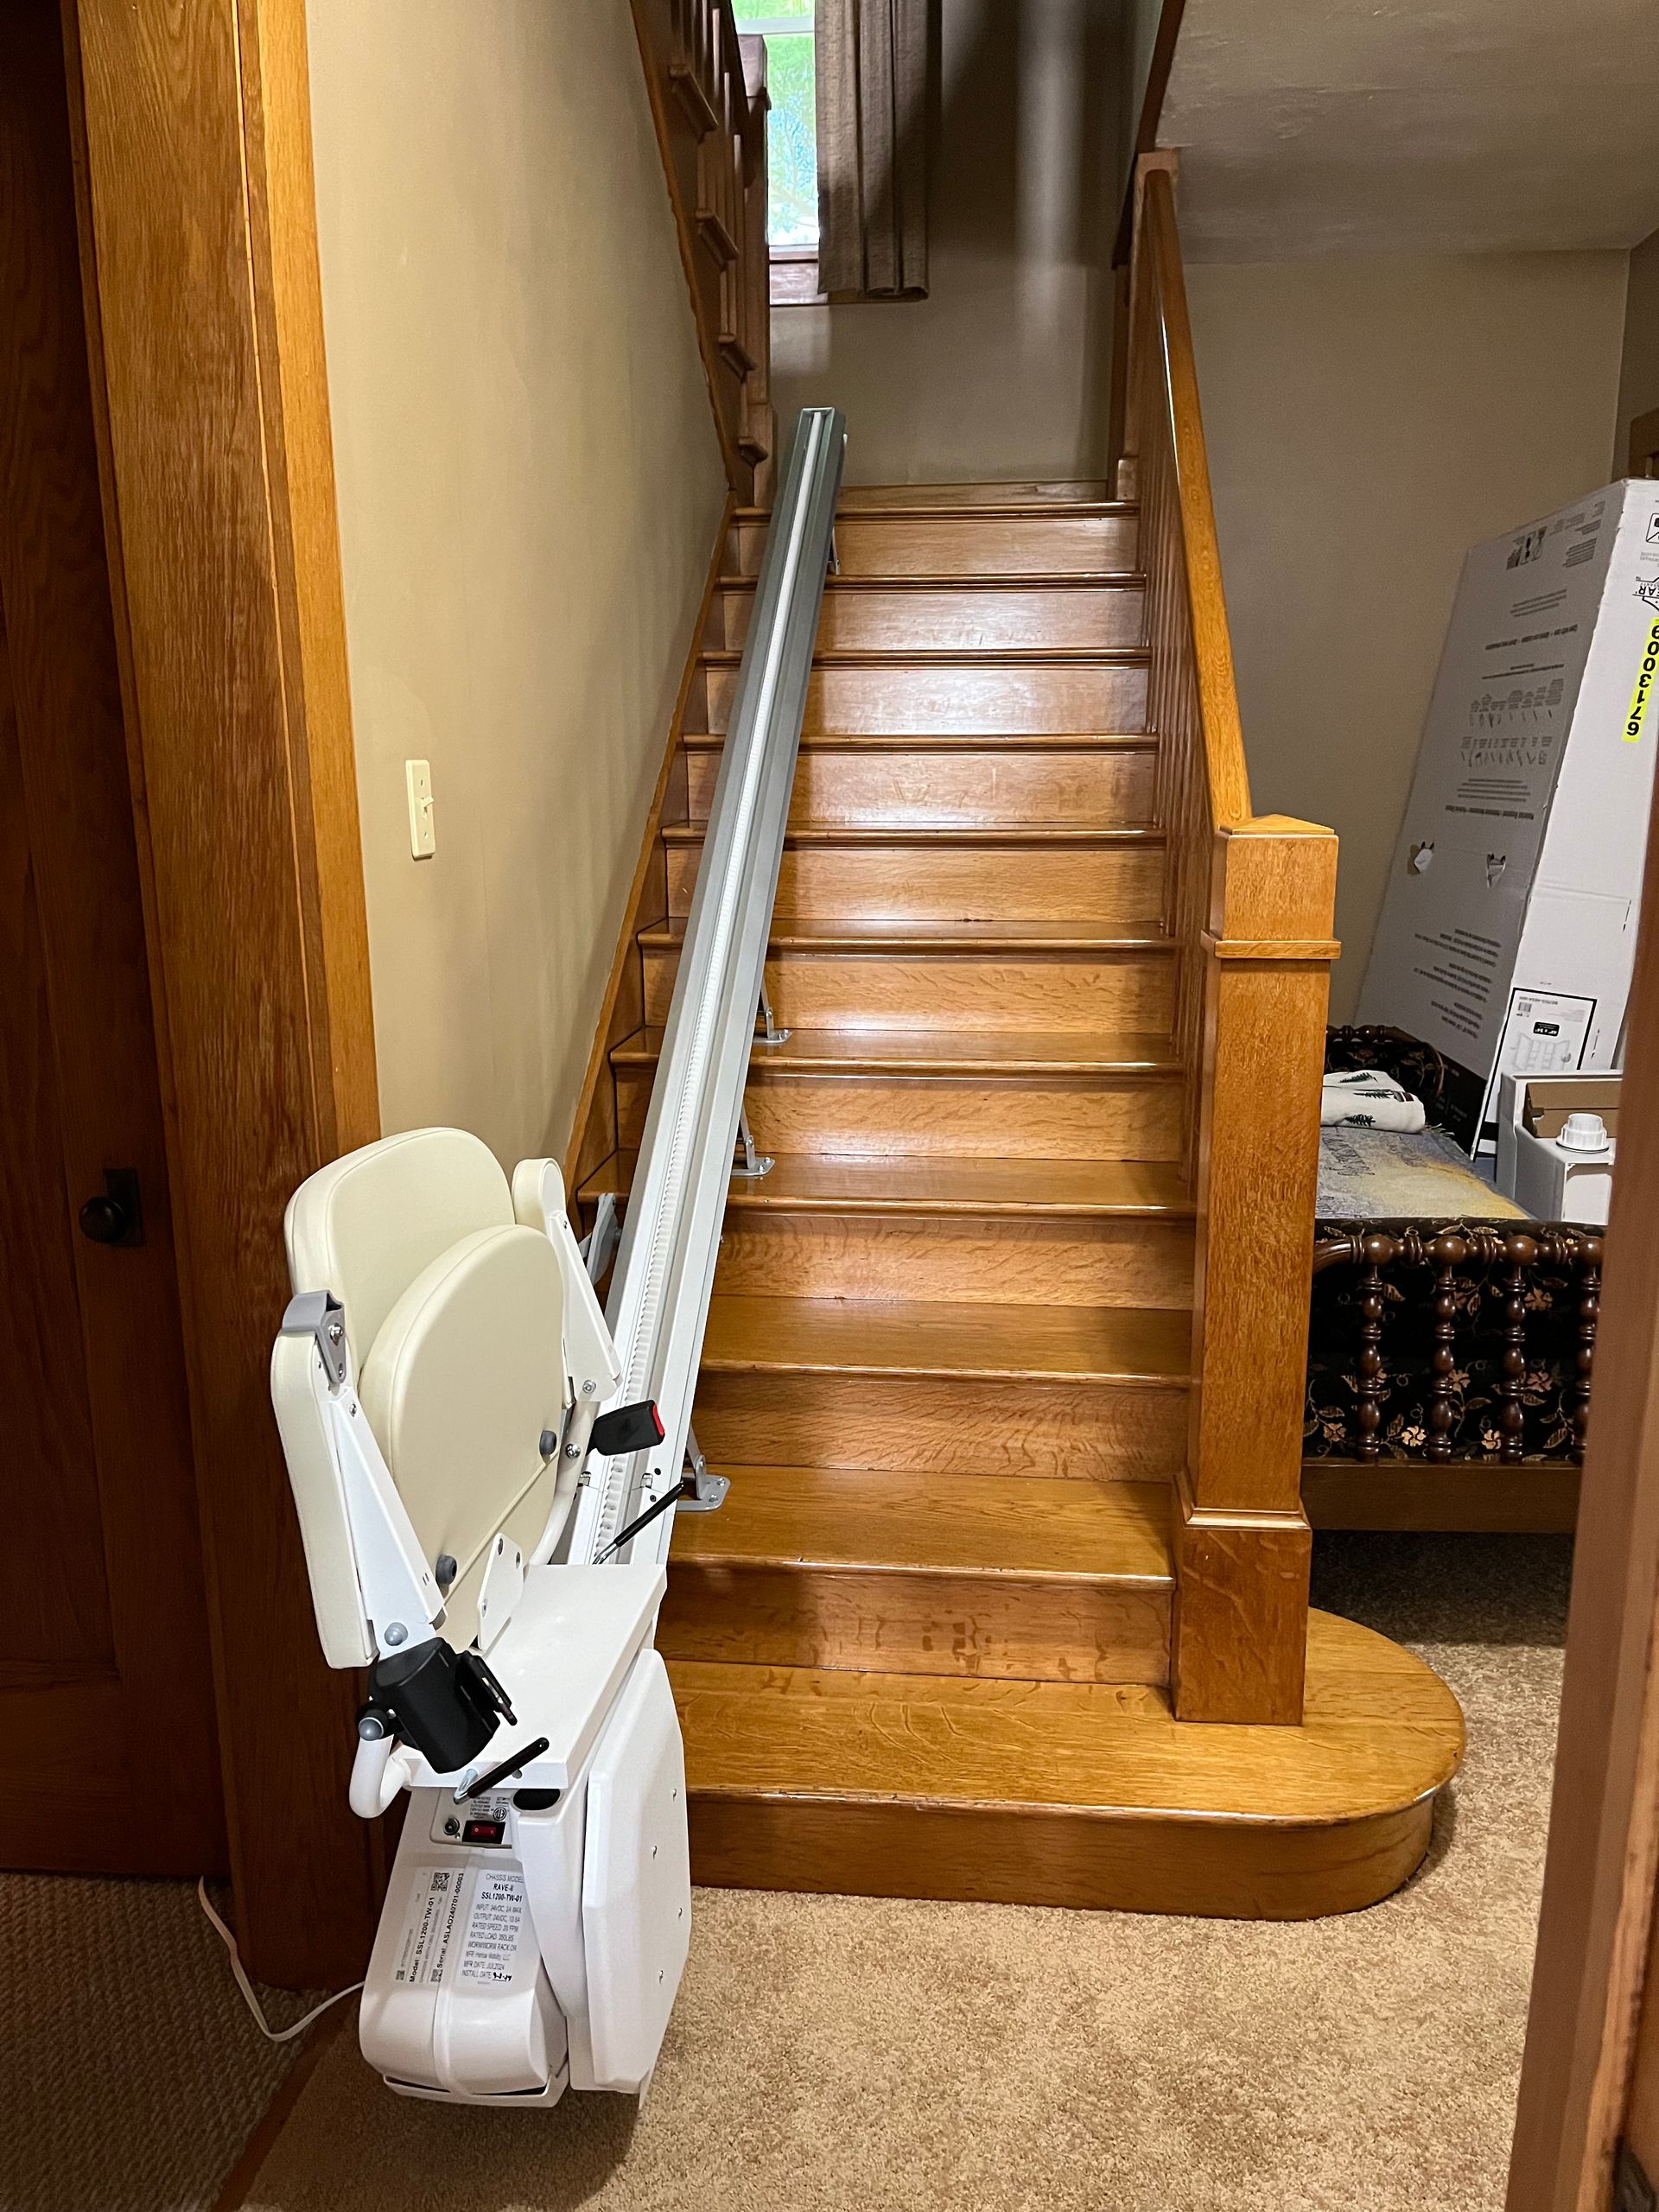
x,y
1545,1033
429,1926
491,1947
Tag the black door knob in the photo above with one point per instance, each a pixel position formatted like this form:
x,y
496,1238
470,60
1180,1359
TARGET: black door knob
x,y
115,1214
105,1220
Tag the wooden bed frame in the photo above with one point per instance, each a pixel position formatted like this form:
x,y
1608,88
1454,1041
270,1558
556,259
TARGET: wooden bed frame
x,y
1449,1364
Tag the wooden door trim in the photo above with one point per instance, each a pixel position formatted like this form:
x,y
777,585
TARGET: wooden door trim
x,y
198,232
1604,1832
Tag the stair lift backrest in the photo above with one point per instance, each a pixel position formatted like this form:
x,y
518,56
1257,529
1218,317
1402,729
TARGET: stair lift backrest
x,y
454,1318
464,1380
364,1226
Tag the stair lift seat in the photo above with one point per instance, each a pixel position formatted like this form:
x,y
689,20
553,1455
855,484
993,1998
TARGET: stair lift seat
x,y
435,1384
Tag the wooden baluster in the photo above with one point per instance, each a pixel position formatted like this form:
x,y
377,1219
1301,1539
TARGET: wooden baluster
x,y
1377,1250
1448,1251
1521,1254
1589,1318
711,133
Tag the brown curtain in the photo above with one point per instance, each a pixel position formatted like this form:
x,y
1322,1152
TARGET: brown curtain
x,y
873,70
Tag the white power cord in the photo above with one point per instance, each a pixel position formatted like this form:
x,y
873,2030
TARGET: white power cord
x,y
271,2035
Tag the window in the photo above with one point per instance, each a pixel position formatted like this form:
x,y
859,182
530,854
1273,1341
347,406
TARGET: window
x,y
791,128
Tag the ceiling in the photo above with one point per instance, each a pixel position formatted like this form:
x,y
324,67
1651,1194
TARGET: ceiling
x,y
1409,126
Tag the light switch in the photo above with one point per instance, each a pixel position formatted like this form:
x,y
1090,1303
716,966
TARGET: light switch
x,y
423,830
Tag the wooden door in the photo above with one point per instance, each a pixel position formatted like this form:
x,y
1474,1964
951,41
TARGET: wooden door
x,y
108,1749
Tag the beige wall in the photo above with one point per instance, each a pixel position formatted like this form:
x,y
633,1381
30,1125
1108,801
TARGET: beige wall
x,y
1003,370
1369,420
529,493
1638,385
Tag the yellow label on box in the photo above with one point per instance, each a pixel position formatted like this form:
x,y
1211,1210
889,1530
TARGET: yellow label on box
x,y
1644,683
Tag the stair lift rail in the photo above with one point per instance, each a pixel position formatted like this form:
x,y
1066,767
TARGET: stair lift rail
x,y
658,1307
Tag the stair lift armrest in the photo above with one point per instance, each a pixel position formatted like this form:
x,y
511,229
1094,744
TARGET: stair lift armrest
x,y
590,1356
382,1767
372,1589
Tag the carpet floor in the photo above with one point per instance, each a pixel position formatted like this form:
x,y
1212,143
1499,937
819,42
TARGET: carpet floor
x,y
854,2055
131,2072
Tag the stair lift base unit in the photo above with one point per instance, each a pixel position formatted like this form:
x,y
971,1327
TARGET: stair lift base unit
x,y
534,1939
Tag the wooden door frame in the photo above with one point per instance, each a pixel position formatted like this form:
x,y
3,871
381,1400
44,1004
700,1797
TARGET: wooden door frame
x,y
205,330
1603,1832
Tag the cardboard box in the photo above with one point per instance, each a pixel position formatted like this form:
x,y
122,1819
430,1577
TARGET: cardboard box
x,y
1547,1182
1508,925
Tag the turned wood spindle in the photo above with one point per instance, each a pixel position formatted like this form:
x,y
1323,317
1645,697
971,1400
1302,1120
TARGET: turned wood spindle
x,y
1376,1249
1589,1316
1522,1253
1447,1252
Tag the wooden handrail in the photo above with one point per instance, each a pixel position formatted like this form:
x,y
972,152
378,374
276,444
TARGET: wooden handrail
x,y
707,87
1165,410
1249,901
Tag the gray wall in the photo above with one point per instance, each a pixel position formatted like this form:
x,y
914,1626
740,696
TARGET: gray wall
x,y
529,493
1369,420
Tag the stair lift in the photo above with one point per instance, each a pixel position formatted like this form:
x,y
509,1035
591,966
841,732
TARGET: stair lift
x,y
469,1496
437,1384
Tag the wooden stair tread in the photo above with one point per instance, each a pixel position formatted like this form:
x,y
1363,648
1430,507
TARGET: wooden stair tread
x,y
882,1522
926,1182
987,492
916,1052
876,933
1044,510
712,741
854,1336
991,580
943,657
1380,1732
1050,834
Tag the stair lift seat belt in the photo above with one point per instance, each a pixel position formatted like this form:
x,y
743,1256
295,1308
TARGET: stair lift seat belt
x,y
658,1306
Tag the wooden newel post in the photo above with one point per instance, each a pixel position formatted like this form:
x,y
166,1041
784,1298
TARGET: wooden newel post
x,y
1243,1544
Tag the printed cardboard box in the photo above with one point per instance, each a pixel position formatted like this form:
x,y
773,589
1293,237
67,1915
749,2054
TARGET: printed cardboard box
x,y
1509,926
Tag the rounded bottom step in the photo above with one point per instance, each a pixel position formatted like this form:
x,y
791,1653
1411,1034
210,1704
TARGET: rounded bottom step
x,y
1068,1794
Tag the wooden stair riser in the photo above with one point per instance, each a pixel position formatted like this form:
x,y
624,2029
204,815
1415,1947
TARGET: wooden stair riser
x,y
972,545
1013,1627
1106,1432
990,1854
1010,1260
1087,618
921,882
910,698
951,992
1107,788
949,1116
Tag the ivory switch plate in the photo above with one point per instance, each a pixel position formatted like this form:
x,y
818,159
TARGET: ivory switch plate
x,y
423,830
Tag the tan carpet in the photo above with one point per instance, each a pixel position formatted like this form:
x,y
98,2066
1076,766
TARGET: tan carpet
x,y
130,2073
848,2054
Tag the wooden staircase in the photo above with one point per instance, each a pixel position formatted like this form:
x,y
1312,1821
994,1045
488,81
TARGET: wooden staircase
x,y
1009,1598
